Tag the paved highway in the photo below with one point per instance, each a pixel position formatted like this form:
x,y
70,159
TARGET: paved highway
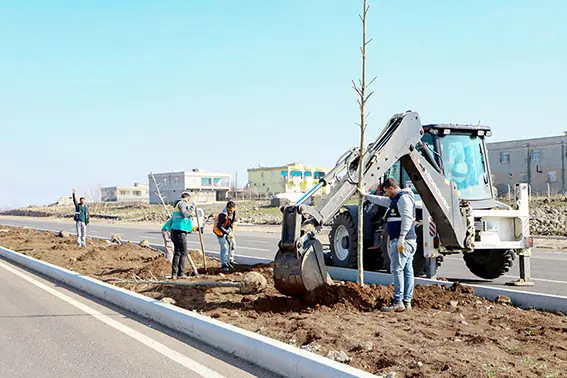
x,y
549,268
49,331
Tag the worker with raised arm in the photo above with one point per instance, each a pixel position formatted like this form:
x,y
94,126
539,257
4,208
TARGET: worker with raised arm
x,y
180,225
224,230
400,225
81,219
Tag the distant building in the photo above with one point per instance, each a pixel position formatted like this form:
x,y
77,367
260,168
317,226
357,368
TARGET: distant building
x,y
138,192
290,178
537,162
206,187
62,201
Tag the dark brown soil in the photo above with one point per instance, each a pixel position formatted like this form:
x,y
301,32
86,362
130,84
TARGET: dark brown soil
x,y
450,332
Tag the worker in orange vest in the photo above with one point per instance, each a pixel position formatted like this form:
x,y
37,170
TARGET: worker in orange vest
x,y
224,230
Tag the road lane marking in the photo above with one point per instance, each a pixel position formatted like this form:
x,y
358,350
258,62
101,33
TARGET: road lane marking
x,y
539,279
237,246
148,341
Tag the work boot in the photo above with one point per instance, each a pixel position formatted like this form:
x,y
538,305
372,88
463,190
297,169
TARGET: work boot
x,y
182,276
230,265
395,306
407,305
225,269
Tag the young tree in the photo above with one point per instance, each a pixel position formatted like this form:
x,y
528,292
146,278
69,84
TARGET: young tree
x,y
363,96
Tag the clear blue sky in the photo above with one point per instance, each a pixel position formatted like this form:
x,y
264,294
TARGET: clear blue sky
x,y
103,92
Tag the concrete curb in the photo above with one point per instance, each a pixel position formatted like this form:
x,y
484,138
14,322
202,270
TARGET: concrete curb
x,y
523,299
260,350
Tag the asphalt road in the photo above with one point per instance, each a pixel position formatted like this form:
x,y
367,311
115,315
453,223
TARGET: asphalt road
x,y
50,331
549,268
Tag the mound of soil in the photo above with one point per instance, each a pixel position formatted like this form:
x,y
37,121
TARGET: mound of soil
x,y
450,332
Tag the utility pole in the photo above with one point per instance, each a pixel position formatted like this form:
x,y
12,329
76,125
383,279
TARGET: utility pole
x,y
361,90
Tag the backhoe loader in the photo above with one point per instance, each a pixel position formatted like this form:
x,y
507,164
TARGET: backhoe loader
x,y
448,169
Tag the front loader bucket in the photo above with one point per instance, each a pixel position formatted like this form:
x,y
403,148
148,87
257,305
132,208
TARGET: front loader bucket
x,y
297,272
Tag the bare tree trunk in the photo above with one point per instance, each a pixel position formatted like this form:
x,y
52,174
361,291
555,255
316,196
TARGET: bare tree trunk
x,y
363,98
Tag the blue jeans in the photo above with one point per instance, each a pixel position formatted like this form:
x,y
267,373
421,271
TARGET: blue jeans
x,y
401,266
225,249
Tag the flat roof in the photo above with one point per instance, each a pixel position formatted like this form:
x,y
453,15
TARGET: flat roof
x,y
288,166
538,139
192,173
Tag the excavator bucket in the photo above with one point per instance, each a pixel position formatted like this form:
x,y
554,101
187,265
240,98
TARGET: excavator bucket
x,y
297,271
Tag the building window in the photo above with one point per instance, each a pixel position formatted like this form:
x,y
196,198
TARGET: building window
x,y
308,174
319,175
536,155
505,157
523,177
206,181
124,192
552,176
137,193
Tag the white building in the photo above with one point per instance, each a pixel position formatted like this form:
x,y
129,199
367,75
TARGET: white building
x,y
138,192
205,187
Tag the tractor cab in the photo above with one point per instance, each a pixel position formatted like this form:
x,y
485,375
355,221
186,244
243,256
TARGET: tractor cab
x,y
460,151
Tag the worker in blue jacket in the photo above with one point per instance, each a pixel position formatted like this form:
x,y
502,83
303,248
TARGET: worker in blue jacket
x,y
180,225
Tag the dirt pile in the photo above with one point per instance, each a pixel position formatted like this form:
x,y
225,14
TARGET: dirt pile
x,y
450,332
548,216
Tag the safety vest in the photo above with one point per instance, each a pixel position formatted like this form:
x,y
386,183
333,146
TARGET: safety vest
x,y
227,221
394,219
179,222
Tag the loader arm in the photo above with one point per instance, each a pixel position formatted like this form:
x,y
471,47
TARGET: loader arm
x,y
299,263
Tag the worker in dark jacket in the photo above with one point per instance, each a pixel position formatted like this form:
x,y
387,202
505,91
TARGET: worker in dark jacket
x,y
81,219
224,230
400,225
180,225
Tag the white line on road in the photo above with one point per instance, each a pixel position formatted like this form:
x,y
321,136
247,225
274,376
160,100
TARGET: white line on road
x,y
540,279
150,237
237,246
148,341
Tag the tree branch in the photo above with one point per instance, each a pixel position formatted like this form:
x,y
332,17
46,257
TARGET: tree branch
x,y
372,81
367,97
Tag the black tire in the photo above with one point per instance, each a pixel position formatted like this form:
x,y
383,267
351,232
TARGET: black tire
x,y
489,264
343,251
418,258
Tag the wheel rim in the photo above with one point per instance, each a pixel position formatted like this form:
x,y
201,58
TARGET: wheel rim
x,y
340,234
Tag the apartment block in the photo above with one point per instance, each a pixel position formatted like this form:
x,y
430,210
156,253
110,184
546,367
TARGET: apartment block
x,y
205,187
138,192
539,162
290,178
